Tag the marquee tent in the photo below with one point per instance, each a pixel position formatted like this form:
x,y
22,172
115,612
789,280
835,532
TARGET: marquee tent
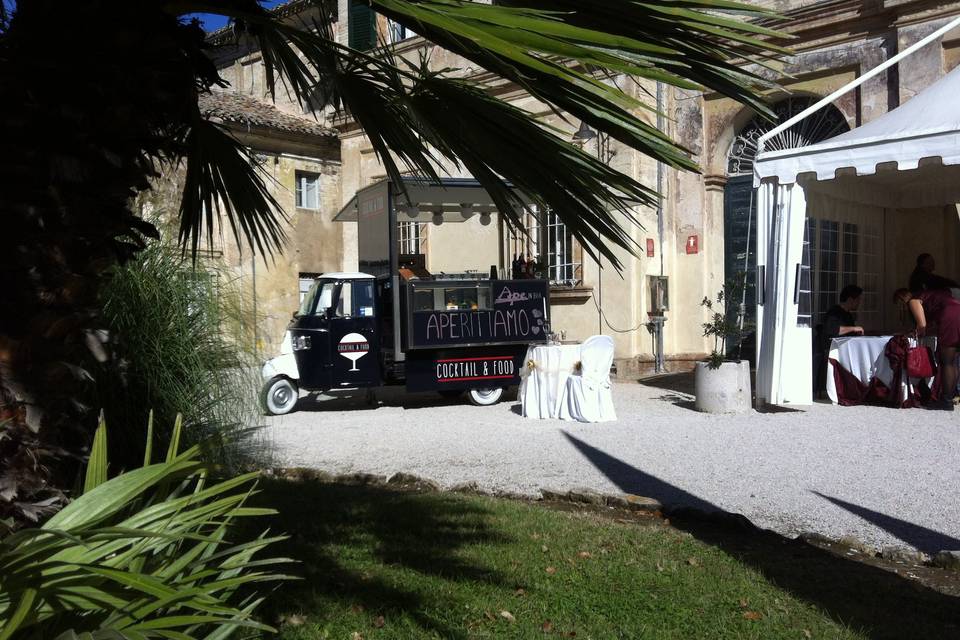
x,y
902,169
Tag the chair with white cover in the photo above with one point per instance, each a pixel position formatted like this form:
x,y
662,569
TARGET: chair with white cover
x,y
589,397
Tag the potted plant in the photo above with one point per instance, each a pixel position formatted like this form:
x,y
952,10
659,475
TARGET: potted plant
x,y
721,383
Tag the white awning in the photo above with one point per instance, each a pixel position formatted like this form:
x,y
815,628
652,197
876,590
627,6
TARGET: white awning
x,y
457,199
925,128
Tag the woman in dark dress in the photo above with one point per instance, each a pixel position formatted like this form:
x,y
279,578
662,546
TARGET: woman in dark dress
x,y
939,307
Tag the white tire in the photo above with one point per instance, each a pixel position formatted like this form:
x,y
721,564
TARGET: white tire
x,y
485,397
280,396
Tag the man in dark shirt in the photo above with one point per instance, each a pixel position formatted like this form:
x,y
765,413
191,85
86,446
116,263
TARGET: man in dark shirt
x,y
839,320
924,279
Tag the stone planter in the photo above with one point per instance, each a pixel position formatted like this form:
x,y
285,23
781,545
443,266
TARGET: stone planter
x,y
723,390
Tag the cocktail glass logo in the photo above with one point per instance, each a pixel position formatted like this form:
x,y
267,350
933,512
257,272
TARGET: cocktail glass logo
x,y
353,346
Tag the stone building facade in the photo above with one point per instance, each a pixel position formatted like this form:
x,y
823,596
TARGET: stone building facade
x,y
705,231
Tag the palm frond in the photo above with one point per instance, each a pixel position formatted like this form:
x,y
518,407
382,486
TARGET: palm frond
x,y
562,52
223,177
139,556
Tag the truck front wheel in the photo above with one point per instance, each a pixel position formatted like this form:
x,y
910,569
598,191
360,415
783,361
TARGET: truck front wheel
x,y
485,397
280,396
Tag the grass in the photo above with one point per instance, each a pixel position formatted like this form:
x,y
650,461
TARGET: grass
x,y
385,564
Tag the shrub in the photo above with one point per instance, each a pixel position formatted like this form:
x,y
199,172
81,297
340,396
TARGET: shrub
x,y
724,321
177,341
143,555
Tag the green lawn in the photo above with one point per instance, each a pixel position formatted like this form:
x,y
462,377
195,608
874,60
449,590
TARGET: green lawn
x,y
384,564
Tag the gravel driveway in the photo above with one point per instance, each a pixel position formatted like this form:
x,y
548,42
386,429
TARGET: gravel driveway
x,y
885,476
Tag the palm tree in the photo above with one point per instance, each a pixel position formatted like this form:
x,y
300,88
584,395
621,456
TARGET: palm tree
x,y
100,97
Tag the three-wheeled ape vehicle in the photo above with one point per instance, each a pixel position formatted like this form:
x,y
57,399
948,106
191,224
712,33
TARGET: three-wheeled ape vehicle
x,y
396,324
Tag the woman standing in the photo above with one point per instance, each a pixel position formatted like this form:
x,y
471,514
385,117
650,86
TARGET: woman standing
x,y
939,307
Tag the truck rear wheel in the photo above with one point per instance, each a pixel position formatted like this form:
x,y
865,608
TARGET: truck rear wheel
x,y
485,397
280,396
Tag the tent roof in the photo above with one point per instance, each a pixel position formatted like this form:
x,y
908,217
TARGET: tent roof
x,y
926,126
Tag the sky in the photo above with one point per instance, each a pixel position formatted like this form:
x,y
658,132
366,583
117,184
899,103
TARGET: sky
x,y
212,22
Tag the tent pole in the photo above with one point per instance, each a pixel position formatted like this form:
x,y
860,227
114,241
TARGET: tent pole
x,y
856,83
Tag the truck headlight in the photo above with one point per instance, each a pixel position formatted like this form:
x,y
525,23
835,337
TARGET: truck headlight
x,y
301,343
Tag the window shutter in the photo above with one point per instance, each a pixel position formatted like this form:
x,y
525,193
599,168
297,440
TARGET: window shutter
x,y
362,26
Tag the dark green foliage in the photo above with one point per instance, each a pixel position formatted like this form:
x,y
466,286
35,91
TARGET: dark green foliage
x,y
175,342
143,556
724,320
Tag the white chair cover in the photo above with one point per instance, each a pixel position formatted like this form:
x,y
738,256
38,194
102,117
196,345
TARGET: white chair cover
x,y
589,397
543,381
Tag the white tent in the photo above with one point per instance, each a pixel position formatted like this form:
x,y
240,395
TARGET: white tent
x,y
900,167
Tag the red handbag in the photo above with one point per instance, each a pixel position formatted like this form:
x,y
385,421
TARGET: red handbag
x,y
919,362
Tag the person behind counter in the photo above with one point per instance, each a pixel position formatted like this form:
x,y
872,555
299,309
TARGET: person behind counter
x,y
839,320
924,279
938,307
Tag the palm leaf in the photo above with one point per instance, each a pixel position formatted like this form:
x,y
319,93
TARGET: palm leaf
x,y
560,51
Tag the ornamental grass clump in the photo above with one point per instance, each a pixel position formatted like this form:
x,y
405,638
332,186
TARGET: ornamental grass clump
x,y
179,343
140,556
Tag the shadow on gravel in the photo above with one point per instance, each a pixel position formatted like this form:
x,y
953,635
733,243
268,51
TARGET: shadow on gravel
x,y
915,535
420,532
629,479
861,595
681,383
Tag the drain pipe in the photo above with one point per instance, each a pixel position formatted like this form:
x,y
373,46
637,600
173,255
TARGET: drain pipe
x,y
659,365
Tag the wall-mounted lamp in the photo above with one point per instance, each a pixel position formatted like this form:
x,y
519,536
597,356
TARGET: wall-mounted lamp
x,y
584,134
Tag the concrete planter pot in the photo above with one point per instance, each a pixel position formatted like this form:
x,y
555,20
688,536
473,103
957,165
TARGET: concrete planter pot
x,y
723,390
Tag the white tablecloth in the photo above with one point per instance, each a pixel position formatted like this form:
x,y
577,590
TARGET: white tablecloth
x,y
546,369
864,357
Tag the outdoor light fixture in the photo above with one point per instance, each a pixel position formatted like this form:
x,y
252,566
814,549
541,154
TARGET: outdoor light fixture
x,y
438,218
584,134
466,210
485,218
413,211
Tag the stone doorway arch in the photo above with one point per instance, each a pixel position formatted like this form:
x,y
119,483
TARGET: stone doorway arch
x,y
739,208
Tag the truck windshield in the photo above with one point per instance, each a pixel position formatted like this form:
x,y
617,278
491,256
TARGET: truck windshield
x,y
319,298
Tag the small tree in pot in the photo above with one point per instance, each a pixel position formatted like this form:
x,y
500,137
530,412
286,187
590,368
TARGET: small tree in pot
x,y
722,383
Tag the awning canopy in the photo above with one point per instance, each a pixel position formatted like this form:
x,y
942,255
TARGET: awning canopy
x,y
457,199
909,158
925,130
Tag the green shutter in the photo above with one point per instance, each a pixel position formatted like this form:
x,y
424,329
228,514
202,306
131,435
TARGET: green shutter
x,y
362,25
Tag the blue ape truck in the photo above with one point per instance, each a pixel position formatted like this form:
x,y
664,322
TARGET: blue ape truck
x,y
394,323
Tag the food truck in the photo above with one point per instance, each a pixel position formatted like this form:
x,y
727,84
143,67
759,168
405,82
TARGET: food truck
x,y
395,323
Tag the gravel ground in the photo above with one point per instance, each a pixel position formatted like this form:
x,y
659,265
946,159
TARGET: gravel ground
x,y
884,476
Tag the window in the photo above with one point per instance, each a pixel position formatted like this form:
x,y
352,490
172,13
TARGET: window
x,y
836,254
410,237
361,26
356,299
398,32
551,243
318,299
429,297
306,283
308,190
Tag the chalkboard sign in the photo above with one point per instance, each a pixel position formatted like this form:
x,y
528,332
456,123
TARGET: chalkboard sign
x,y
519,314
453,369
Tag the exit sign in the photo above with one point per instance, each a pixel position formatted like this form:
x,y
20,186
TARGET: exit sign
x,y
693,244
